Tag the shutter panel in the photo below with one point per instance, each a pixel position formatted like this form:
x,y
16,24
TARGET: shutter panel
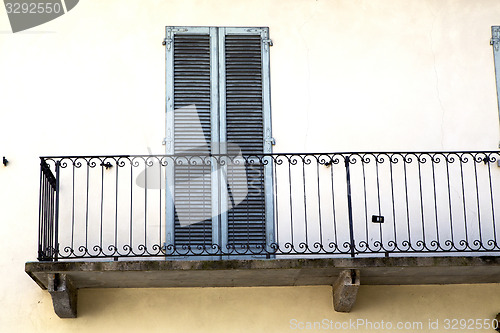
x,y
192,90
244,128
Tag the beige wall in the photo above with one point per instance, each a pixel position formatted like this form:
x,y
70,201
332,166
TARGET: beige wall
x,y
254,309
346,76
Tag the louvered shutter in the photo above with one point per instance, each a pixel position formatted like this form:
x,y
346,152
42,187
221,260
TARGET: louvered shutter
x,y
242,126
218,97
192,119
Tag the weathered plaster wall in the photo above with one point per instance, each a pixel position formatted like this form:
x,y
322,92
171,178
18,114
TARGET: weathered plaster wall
x,y
283,309
346,75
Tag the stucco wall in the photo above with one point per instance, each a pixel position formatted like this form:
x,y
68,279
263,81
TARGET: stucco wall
x,y
284,309
346,75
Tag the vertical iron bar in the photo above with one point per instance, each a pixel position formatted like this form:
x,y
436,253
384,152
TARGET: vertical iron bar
x,y
87,207
204,209
492,204
378,199
478,203
116,208
263,195
145,203
73,204
405,160
464,202
56,217
421,200
249,170
333,203
450,204
367,238
393,201
435,199
102,204
43,231
131,249
46,220
305,197
160,206
40,212
275,182
290,196
349,203
319,203
51,220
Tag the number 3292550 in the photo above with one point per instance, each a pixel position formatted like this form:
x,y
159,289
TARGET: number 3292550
x,y
33,8
470,324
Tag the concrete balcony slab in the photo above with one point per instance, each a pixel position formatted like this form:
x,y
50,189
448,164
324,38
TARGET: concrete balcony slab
x,y
275,272
63,279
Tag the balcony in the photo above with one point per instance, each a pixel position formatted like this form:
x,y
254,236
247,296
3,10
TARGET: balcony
x,y
273,219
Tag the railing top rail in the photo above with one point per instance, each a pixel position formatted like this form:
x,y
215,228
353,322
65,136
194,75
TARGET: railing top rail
x,y
280,154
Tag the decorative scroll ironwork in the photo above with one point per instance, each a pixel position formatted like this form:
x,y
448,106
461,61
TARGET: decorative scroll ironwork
x,y
343,204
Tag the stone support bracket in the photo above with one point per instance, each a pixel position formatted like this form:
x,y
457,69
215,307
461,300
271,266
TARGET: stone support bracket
x,y
64,295
345,290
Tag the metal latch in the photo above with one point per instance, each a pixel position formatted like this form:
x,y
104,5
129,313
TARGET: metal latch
x,y
495,37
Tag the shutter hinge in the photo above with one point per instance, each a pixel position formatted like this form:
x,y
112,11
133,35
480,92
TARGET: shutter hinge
x,y
168,42
267,41
271,141
167,141
495,37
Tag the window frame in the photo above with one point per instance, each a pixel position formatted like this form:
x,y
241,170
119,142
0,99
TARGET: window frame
x,y
218,128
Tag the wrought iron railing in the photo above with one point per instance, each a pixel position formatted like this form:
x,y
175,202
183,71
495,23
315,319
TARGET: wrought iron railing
x,y
310,204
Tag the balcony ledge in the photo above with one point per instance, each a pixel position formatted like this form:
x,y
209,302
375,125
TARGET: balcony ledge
x,y
63,279
278,272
